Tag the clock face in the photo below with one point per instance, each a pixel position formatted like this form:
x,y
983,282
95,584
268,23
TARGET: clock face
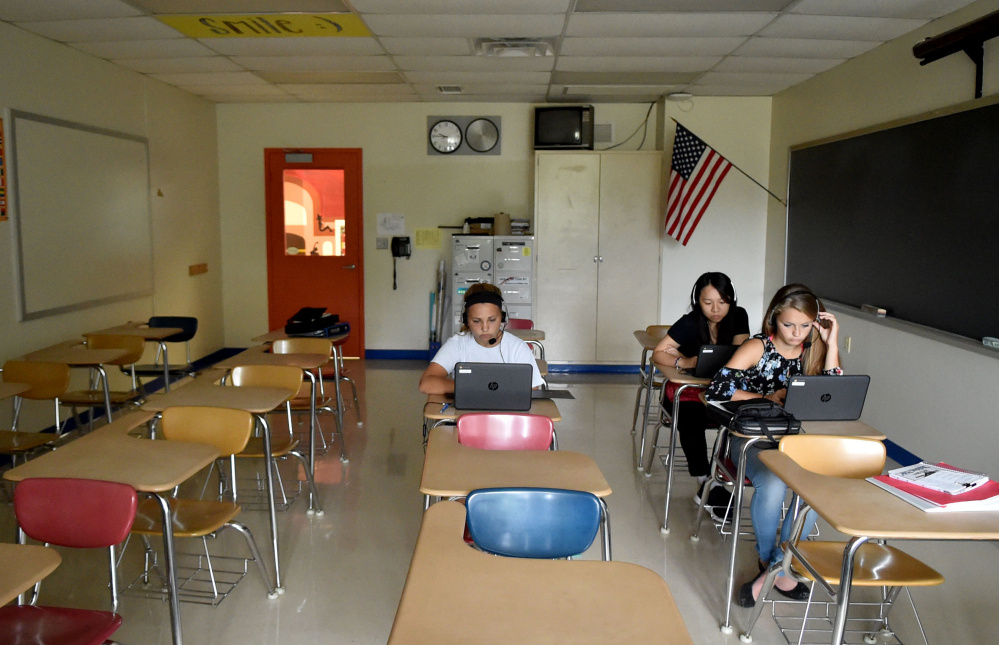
x,y
445,136
481,135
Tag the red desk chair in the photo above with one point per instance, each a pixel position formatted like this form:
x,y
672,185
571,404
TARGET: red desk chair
x,y
80,513
497,431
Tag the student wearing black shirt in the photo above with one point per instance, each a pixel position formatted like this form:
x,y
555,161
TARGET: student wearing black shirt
x,y
714,319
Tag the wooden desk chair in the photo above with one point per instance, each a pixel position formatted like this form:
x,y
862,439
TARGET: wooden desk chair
x,y
533,522
498,431
76,513
229,430
48,382
659,332
94,396
820,562
301,402
189,325
283,444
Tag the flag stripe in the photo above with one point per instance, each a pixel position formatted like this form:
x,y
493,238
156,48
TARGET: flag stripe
x,y
696,171
707,201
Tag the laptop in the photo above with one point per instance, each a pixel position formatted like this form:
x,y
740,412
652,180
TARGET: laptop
x,y
492,386
827,398
712,358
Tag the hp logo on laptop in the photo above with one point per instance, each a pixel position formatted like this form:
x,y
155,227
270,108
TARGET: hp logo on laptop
x,y
825,398
493,385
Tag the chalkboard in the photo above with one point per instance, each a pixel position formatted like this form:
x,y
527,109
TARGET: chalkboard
x,y
81,204
906,219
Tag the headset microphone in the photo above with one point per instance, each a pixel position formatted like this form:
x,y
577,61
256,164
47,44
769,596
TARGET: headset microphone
x,y
492,341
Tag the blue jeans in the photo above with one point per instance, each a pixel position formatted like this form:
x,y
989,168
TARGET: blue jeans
x,y
768,503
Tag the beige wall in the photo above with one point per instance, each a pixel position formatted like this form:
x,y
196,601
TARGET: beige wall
x,y
399,177
45,78
931,397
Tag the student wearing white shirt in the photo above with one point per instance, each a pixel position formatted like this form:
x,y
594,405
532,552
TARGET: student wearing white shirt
x,y
482,339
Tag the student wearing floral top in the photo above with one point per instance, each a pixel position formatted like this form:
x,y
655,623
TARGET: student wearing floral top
x,y
799,337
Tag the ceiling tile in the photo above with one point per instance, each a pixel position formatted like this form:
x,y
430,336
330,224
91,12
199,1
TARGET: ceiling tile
x,y
649,46
464,26
246,90
538,97
241,6
226,78
250,98
427,46
476,63
32,10
663,6
180,65
461,6
314,78
792,65
461,78
636,63
293,46
751,78
317,63
622,78
491,88
919,9
688,25
735,90
333,91
96,30
804,48
840,27
126,49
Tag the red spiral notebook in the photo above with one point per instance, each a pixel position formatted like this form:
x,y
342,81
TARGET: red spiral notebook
x,y
984,497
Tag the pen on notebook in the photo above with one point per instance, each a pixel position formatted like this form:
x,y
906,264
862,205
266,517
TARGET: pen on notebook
x,y
445,406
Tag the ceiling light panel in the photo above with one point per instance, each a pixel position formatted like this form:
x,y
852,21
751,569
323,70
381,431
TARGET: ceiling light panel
x,y
783,65
918,9
735,90
649,46
33,10
466,78
332,91
461,26
317,63
462,6
475,63
660,6
622,78
806,48
96,30
636,64
840,27
293,46
687,25
126,49
230,78
180,65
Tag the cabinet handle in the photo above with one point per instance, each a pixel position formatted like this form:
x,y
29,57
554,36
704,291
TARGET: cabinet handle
x,y
600,258
350,266
595,258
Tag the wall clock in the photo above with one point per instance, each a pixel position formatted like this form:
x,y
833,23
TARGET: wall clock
x,y
457,135
445,136
481,135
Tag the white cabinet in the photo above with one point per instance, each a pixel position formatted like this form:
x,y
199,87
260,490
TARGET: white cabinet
x,y
597,228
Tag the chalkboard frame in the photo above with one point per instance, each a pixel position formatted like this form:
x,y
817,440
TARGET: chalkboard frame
x,y
818,252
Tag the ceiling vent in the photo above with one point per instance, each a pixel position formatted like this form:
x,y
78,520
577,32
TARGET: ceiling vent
x,y
449,89
513,47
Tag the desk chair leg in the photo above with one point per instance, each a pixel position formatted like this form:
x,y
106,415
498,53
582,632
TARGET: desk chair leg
x,y
271,509
768,584
740,488
605,535
638,403
671,457
845,582
171,569
255,552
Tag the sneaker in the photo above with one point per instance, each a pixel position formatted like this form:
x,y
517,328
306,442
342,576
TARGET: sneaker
x,y
718,502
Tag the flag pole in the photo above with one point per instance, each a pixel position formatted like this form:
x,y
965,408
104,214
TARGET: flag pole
x,y
783,203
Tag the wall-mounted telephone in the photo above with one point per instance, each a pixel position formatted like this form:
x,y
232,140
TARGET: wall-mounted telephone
x,y
401,248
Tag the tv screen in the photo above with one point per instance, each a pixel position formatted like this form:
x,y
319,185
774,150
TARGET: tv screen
x,y
564,127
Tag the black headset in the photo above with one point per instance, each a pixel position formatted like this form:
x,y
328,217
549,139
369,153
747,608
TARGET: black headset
x,y
483,297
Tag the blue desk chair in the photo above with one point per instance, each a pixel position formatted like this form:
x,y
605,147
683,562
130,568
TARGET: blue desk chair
x,y
535,522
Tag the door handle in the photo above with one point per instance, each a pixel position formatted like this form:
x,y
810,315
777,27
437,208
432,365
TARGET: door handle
x,y
349,266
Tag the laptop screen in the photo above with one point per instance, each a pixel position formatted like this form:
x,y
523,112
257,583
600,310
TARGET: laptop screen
x,y
492,386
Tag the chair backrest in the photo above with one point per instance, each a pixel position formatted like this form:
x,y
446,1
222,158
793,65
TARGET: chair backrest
x,y
227,429
286,376
658,331
80,513
188,323
533,522
520,323
850,457
495,431
303,346
133,345
47,380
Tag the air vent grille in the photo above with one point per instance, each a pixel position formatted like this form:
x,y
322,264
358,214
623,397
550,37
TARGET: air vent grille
x,y
603,133
449,89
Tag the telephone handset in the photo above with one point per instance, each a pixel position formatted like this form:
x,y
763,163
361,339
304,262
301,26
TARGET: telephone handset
x,y
401,248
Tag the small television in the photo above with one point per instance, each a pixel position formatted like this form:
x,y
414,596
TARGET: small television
x,y
565,127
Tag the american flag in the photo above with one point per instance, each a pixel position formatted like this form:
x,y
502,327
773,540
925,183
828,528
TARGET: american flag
x,y
695,174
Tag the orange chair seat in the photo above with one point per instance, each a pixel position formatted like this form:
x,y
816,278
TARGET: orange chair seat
x,y
876,565
16,442
191,517
280,446
96,397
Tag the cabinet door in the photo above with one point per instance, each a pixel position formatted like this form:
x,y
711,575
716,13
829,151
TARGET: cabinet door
x,y
567,202
630,223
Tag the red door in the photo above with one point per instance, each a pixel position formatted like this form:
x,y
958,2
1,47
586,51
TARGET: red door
x,y
315,218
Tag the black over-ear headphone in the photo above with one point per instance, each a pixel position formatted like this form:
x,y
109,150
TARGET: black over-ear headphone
x,y
481,297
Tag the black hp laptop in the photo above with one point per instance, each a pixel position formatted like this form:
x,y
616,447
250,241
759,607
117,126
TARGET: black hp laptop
x,y
827,398
712,358
492,386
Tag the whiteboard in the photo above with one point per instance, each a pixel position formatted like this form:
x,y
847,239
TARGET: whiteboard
x,y
80,197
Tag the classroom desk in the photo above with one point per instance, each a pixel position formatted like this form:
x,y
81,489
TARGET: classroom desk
x,y
23,566
149,334
864,512
838,428
75,354
456,595
258,401
152,467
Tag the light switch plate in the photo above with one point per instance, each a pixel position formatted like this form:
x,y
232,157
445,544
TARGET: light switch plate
x,y
381,243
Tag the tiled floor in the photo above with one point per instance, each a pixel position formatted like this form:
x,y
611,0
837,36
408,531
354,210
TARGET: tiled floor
x,y
344,571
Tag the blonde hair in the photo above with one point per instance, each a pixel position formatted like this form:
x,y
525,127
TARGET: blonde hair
x,y
803,299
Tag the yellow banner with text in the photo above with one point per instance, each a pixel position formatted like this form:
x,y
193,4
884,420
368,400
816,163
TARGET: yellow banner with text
x,y
282,25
